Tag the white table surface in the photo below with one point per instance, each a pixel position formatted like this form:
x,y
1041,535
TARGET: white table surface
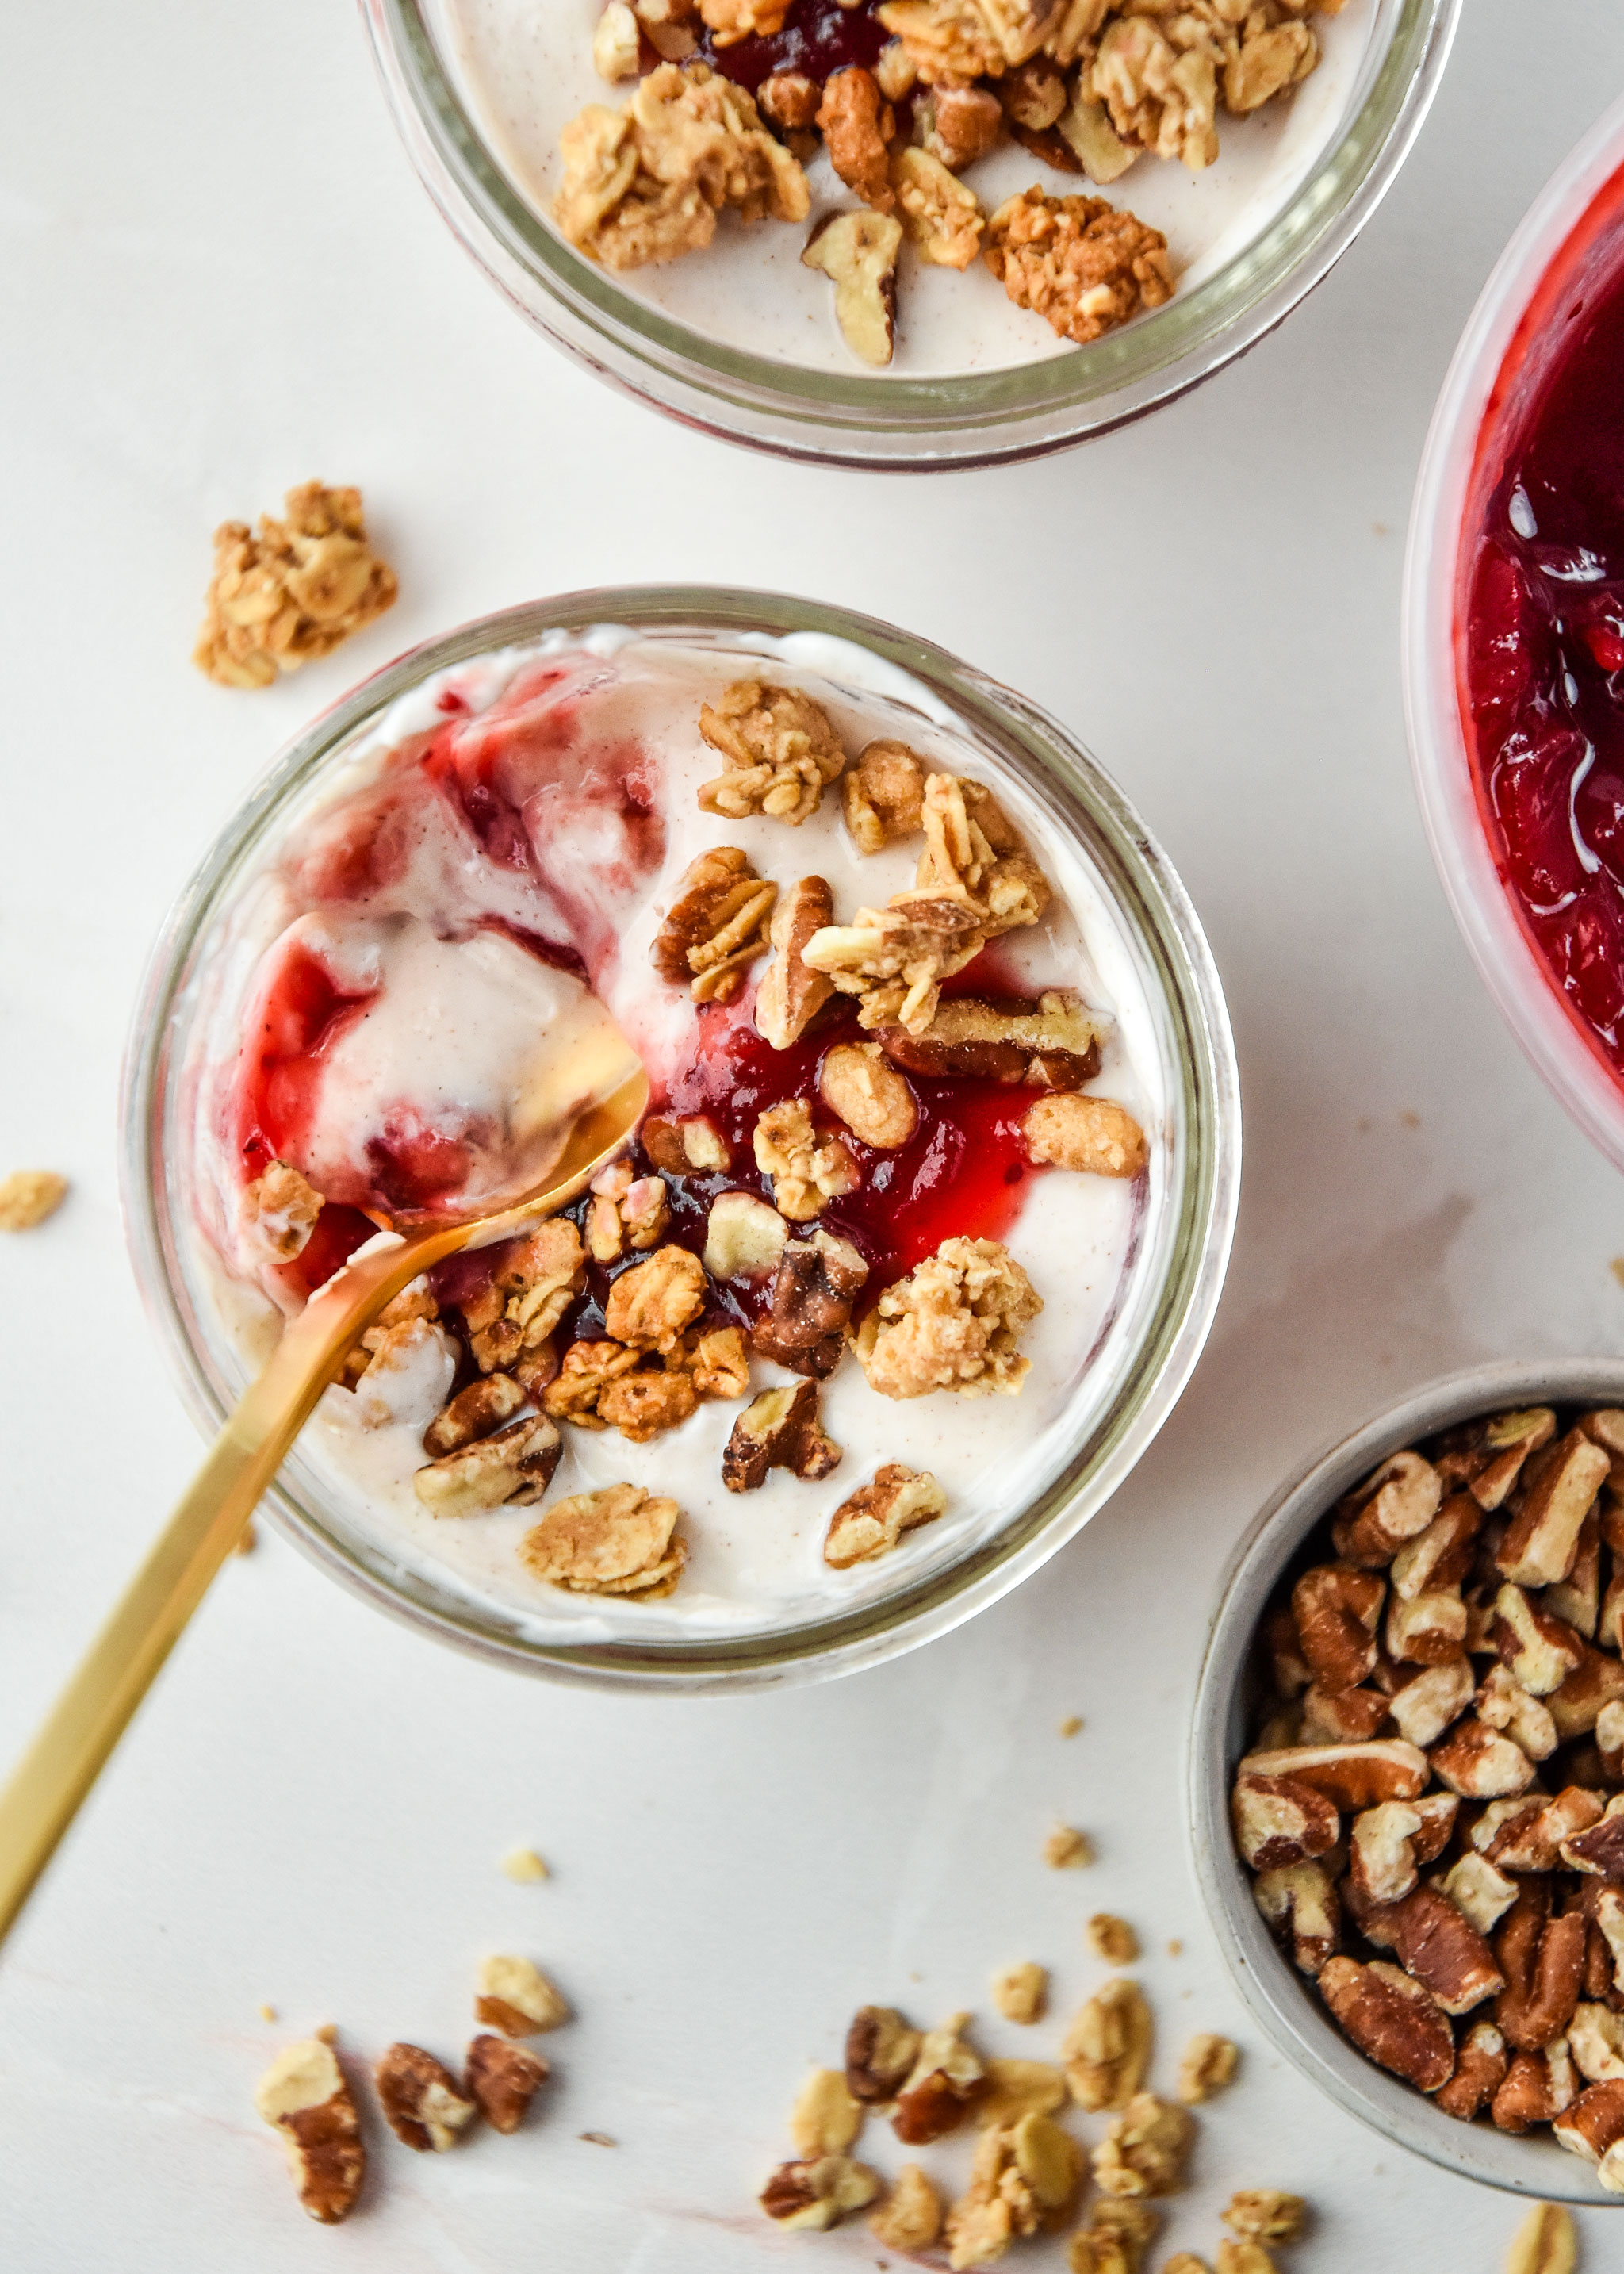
x,y
220,277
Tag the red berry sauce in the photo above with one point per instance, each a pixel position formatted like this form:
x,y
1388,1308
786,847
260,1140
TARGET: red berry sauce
x,y
819,38
1544,643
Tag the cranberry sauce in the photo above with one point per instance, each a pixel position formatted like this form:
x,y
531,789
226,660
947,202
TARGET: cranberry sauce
x,y
819,38
1544,665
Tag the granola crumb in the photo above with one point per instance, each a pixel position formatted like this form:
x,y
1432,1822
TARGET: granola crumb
x,y
1112,1938
292,590
1206,2065
1068,1849
28,1196
524,1867
1176,1948
1021,1992
268,2014
1070,1727
1080,263
515,1996
781,750
599,2139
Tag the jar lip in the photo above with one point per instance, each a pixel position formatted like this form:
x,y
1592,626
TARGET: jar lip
x,y
970,418
1199,1208
1279,2001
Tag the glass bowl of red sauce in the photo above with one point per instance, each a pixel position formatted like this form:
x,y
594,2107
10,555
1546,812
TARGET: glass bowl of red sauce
x,y
1514,634
496,824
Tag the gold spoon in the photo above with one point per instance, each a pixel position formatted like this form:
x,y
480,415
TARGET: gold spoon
x,y
607,1091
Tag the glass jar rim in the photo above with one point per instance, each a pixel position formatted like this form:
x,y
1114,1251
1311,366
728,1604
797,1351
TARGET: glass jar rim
x,y
858,419
1147,894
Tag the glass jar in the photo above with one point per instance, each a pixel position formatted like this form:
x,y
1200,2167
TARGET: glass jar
x,y
1170,1292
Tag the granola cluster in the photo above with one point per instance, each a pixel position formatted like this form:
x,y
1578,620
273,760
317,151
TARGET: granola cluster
x,y
1433,1807
1089,86
953,1324
291,589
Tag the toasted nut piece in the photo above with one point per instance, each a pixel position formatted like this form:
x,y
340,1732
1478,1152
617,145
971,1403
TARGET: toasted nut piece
x,y
1351,1776
1480,1764
1479,1891
473,1412
1479,2072
820,2194
692,1145
781,748
874,1517
1015,2089
502,2079
1543,1960
1382,1862
778,1430
1021,1992
1595,2039
716,1360
1068,1849
1392,2020
882,796
1545,2243
1265,2215
650,1305
644,1403
1440,1558
278,1209
1050,1043
825,2119
1426,1705
1337,1609
1505,1705
1279,1821
1107,2049
816,1285
1430,1629
1300,1902
516,1997
303,2094
805,1173
744,1238
1610,1740
671,27
963,123
1392,1506
511,1469
857,1082
1034,95
1536,1842
790,100
791,993
1206,2066
1539,1650
1538,2087
419,2098
1090,1135
615,43
616,1542
910,2218
1593,2127
942,215
1503,1445
945,2077
1112,1940
858,252
716,924
1340,1717
881,2050
1438,1947
1144,2152
954,1323
1598,1848
1577,1703
1540,1546
856,123
532,1286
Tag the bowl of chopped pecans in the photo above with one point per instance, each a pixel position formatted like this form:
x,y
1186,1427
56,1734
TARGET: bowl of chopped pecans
x,y
1407,1775
867,232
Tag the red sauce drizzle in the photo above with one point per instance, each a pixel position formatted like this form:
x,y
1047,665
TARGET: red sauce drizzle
x,y
819,37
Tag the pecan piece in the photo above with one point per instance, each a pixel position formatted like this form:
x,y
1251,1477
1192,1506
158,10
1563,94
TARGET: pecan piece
x,y
1540,1651
1392,1507
1430,1629
1340,1717
1299,1903
1337,1609
303,2094
1479,1890
1595,2039
1352,1776
1426,1705
883,795
473,1412
502,2078
716,925
859,1085
778,1430
1526,1721
816,1282
1440,1559
959,124
691,1146
1577,1702
791,994
818,2195
1538,2087
790,101
872,1521
511,1469
1050,1043
1480,1764
856,123
858,252
1543,1960
1392,2020
1480,2069
1543,1540
881,2050
1280,1820
1598,1849
515,1996
617,1541
1440,1949
419,2098
946,2076
1593,2127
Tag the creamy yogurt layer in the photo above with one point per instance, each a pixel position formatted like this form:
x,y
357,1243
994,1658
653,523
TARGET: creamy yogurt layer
x,y
496,859
524,72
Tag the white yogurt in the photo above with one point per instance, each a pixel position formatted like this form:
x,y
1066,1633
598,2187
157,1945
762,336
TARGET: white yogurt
x,y
523,70
458,1007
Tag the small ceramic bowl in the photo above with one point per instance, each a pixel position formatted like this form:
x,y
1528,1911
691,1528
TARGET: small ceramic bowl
x,y
1280,2002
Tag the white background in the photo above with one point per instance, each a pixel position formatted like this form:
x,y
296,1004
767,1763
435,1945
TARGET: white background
x,y
220,277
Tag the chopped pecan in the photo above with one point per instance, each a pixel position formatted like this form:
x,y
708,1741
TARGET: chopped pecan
x,y
279,1211
744,1238
790,995
650,1305
778,1430
1279,1820
883,795
1083,265
819,2194
304,2095
1049,1043
825,2119
1382,1857
1487,1456
857,1082
858,252
1430,1629
1392,1507
1543,1540
1480,2069
1340,1717
1610,1740
1440,1558
946,2076
617,1541
1426,1705
1595,2039
1158,80
671,27
1540,1651
1536,1840
1020,1993
881,2050
1337,1610
1092,1136
419,2098
873,1520
781,748
1438,1947
1577,1702
816,1282
515,1996
790,101
1504,1705
502,2079
1034,95
687,1146
954,1322
1593,2126
856,123
1477,1762
1538,2087
1392,2020
1107,2049
805,1173
910,2218
291,589
958,124
1352,1776
1299,1901
511,1469
1598,1848
1205,2066
942,215
473,1412
1543,1960
1143,2153
716,926
1479,1891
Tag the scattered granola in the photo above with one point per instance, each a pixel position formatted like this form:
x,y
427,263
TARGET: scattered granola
x,y
1024,2177
502,2078
873,1520
516,1997
1206,2065
880,2049
1545,2243
618,1541
28,1196
716,927
1071,1726
953,1324
942,215
524,1867
1112,1940
1144,2152
1107,2049
825,2119
781,750
1021,1992
279,1212
1265,2215
651,1304
419,2098
292,590
1014,2089
910,2218
303,2094
1068,1849
1116,2239
946,2077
